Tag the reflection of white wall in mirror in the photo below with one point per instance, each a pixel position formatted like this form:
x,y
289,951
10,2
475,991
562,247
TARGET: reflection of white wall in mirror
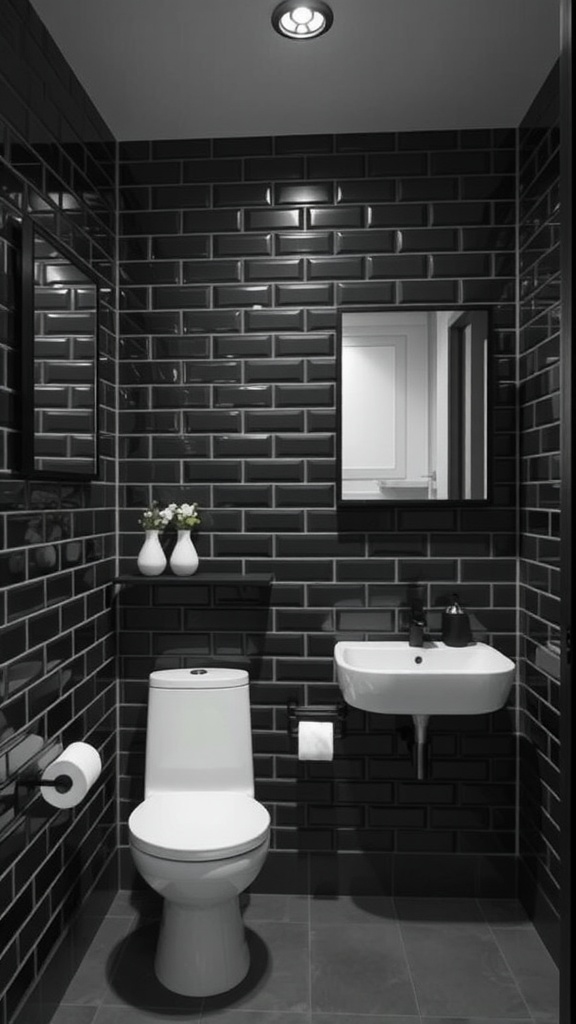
x,y
373,407
385,402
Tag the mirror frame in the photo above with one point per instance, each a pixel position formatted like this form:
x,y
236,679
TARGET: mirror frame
x,y
490,393
30,231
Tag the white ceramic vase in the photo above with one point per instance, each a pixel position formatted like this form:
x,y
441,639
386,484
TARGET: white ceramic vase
x,y
184,558
151,558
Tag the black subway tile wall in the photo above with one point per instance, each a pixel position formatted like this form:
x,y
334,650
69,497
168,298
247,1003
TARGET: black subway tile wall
x,y
234,260
539,378
57,678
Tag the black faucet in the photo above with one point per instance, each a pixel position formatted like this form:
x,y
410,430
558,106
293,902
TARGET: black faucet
x,y
417,624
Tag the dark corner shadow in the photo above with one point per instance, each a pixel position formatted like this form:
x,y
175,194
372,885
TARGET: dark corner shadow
x,y
130,975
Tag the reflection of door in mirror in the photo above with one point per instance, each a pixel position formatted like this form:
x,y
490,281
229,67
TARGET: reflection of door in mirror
x,y
413,401
467,400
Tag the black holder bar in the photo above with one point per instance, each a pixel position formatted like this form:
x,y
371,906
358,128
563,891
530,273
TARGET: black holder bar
x,y
62,783
317,712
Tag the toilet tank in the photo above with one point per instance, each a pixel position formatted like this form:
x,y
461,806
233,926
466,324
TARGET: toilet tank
x,y
199,734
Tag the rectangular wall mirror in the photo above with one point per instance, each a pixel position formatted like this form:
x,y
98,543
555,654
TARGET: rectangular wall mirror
x,y
60,360
413,405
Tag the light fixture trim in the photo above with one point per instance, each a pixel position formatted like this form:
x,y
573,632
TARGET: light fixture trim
x,y
319,20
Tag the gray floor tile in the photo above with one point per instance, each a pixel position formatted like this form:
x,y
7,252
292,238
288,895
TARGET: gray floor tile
x,y
74,1015
258,907
535,972
90,985
477,1020
358,969
132,981
279,975
353,1018
134,1015
438,911
142,903
505,913
255,1017
346,910
459,971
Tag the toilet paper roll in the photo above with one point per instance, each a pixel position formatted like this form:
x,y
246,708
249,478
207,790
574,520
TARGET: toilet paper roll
x,y
315,741
80,765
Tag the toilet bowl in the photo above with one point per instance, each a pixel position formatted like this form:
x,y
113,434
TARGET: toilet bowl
x,y
199,847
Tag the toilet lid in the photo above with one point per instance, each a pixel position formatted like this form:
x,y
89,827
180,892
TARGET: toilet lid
x,y
198,826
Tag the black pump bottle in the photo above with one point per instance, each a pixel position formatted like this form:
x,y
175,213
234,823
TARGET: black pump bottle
x,y
456,630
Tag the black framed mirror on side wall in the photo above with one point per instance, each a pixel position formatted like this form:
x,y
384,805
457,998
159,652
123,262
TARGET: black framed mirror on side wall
x,y
60,350
414,405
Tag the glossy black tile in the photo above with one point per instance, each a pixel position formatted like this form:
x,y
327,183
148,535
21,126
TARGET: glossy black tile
x,y
396,215
179,298
431,292
273,168
243,195
245,495
212,321
274,370
274,320
275,419
150,172
243,347
274,270
274,220
243,245
228,396
212,421
375,292
212,171
301,243
397,266
210,221
177,247
427,240
364,241
177,197
303,193
339,217
278,471
303,295
242,295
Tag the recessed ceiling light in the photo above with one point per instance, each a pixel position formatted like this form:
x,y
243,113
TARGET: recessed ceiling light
x,y
302,20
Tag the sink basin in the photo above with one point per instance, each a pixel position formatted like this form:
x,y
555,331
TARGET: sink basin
x,y
393,678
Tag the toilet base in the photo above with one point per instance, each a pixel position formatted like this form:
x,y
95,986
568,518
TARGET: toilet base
x,y
201,951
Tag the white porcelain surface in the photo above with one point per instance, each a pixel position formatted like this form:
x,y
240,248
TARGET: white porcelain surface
x,y
184,557
151,559
201,946
393,678
199,737
199,809
198,826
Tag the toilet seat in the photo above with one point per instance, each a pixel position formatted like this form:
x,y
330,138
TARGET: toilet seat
x,y
198,826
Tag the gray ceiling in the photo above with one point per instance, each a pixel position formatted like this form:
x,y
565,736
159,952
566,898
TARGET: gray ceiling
x,y
160,69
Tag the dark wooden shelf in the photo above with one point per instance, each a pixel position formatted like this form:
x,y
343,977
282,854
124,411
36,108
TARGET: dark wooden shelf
x,y
168,580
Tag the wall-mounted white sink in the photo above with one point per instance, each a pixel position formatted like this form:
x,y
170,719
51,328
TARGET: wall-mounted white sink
x,y
395,679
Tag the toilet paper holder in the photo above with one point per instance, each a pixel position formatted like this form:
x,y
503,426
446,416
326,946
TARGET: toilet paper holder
x,y
32,779
335,713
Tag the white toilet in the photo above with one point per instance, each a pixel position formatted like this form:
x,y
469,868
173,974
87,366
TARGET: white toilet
x,y
199,838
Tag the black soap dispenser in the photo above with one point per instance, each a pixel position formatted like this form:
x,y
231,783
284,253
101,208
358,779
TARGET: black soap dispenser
x,y
456,630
